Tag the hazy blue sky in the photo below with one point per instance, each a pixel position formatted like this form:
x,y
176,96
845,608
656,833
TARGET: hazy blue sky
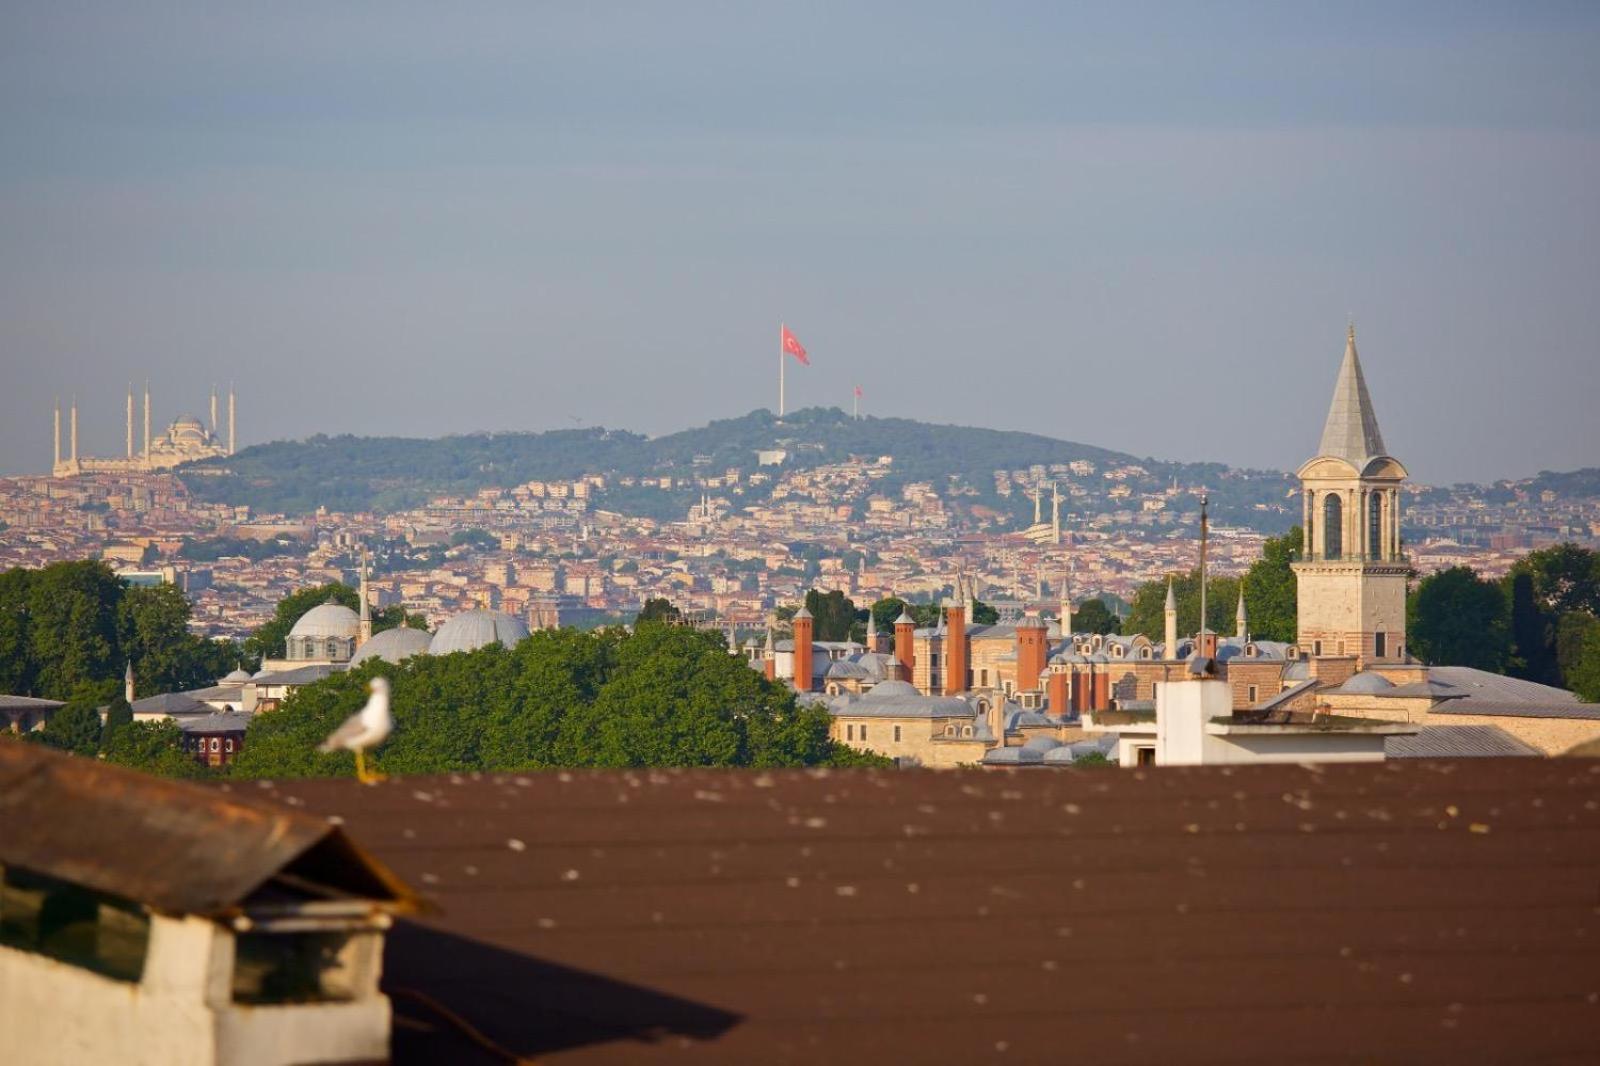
x,y
1138,226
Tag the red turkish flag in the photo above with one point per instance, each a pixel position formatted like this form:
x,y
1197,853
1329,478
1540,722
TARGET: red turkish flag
x,y
858,392
792,345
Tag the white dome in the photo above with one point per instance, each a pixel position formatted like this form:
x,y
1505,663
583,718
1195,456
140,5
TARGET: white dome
x,y
392,645
471,630
328,620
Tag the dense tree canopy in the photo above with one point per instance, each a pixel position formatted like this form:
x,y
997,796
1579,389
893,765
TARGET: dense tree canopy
x,y
70,624
660,696
1093,616
1271,594
1455,618
658,609
1149,612
834,614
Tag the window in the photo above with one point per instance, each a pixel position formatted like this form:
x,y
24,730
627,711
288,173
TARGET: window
x,y
849,732
1380,641
1333,527
216,745
983,678
1145,756
227,745
1316,647
1341,647
1375,526
71,924
897,734
1250,693
292,968
966,730
863,731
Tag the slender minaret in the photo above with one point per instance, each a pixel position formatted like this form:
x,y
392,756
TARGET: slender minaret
x,y
57,437
1055,513
365,632
130,420
1238,616
1038,496
231,424
1066,605
127,682
215,428
872,632
147,420
1171,633
74,429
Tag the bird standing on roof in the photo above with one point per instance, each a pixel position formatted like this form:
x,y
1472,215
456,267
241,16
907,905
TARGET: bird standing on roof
x,y
367,728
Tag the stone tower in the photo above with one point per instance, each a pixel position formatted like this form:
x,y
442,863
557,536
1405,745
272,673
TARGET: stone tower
x,y
1352,573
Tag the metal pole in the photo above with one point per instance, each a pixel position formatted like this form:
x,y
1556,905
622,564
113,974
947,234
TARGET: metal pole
x,y
1203,501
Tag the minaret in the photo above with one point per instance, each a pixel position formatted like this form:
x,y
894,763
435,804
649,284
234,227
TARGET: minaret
x,y
74,429
1240,630
1038,495
214,426
231,424
130,420
1055,512
127,682
57,435
769,658
365,633
1171,633
147,420
1351,578
872,632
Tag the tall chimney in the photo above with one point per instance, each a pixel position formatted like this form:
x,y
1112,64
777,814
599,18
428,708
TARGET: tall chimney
x,y
955,648
769,658
905,643
802,650
1031,652
231,424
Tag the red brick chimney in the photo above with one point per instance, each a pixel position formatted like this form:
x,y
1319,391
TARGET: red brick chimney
x,y
1056,694
905,643
1031,652
802,650
955,648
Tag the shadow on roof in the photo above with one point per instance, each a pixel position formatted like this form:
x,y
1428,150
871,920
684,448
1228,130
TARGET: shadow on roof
x,y
526,1005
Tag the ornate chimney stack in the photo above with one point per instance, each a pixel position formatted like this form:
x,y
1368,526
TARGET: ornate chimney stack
x,y
955,646
802,650
769,658
1032,652
905,643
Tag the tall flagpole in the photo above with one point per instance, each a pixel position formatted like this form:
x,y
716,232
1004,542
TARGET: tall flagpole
x,y
780,369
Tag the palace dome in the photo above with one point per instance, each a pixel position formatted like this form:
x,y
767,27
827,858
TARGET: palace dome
x,y
392,645
471,630
328,620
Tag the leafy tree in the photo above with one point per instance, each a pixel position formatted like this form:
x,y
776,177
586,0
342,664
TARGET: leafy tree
x,y
1579,642
1565,578
658,609
983,614
834,614
72,626
1456,618
1533,633
118,715
75,727
155,748
477,538
1271,594
1149,611
16,649
885,611
1093,616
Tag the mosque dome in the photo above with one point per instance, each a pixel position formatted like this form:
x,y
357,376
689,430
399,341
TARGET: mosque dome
x,y
1365,683
328,620
237,677
471,630
392,645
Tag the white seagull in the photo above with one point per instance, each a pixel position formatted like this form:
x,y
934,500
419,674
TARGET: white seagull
x,y
367,728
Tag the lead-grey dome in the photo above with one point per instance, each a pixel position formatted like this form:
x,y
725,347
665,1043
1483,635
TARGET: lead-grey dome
x,y
474,629
392,645
328,620
1365,684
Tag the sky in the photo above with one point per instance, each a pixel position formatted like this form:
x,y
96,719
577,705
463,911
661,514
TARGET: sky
x,y
1139,226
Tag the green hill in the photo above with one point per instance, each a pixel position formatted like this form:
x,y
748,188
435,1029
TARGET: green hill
x,y
389,473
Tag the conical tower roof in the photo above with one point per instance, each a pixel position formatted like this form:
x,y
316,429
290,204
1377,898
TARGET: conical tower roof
x,y
1351,432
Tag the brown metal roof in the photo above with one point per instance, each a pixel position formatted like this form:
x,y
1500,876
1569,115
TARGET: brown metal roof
x,y
176,847
1413,911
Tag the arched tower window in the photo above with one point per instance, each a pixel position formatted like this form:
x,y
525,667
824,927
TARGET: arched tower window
x,y
1333,527
1375,525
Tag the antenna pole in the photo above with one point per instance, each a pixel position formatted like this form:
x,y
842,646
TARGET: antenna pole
x,y
1203,501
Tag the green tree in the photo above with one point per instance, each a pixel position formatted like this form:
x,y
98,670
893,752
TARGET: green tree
x,y
983,614
1271,594
1565,578
72,626
1456,618
885,611
1093,616
658,609
118,715
154,747
1581,644
75,727
153,633
1149,611
16,649
834,614
1533,633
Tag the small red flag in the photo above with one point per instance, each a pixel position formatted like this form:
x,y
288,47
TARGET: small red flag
x,y
858,392
792,345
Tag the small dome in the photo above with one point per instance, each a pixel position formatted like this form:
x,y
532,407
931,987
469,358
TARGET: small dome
x,y
237,677
471,630
392,645
885,689
1042,743
328,620
1365,684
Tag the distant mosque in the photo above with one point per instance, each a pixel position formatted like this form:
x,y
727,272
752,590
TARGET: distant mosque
x,y
186,440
